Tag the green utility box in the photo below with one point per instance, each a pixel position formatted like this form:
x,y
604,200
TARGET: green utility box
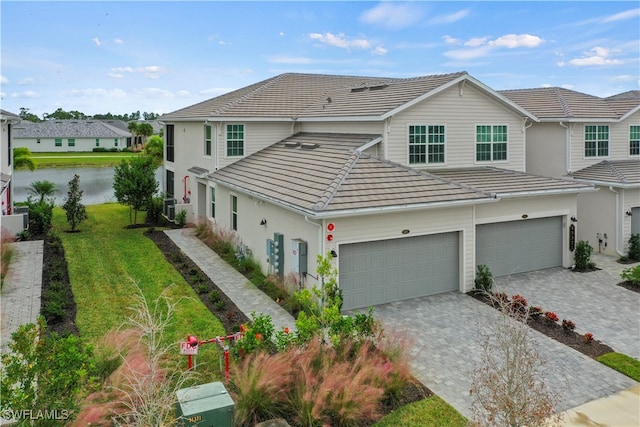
x,y
205,405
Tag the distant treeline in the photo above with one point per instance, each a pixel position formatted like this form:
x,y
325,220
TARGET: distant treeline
x,y
60,114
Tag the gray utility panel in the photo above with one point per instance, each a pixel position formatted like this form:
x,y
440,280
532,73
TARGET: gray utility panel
x,y
384,271
520,246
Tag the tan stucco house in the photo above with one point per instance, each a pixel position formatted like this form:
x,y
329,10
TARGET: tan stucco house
x,y
409,183
593,140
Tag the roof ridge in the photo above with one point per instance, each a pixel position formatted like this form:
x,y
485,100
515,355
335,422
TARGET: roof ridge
x,y
614,170
563,102
332,189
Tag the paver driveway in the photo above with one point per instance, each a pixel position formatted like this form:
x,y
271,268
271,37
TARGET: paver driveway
x,y
444,329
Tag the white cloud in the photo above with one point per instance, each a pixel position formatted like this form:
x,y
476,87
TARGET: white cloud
x,y
26,81
466,54
154,92
4,80
183,93
96,41
122,70
340,40
476,41
451,18
281,33
392,15
450,40
215,91
517,40
26,94
596,56
629,14
118,41
379,51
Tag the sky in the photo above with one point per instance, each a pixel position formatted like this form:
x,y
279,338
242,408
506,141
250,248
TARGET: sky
x,y
160,56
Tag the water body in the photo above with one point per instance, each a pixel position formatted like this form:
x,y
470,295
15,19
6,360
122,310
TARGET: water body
x,y
97,183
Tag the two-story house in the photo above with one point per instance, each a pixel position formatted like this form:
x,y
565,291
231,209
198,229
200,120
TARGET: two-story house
x,y
9,222
408,183
70,136
594,140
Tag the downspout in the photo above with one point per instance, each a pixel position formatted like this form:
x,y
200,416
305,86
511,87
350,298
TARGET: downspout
x,y
320,241
618,225
567,146
524,131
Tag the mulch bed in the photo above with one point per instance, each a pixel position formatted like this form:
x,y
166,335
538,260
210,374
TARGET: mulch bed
x,y
554,330
630,286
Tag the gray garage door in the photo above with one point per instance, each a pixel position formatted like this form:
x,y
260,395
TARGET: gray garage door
x,y
379,272
635,220
519,246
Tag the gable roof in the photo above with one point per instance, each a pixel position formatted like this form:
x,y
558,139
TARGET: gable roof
x,y
68,129
4,114
619,173
555,103
294,96
322,174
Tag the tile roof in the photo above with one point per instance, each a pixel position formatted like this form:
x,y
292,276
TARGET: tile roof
x,y
292,95
614,172
505,182
325,174
560,103
8,114
68,129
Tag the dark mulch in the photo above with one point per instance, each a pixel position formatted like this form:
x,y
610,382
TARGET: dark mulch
x,y
210,294
554,330
630,286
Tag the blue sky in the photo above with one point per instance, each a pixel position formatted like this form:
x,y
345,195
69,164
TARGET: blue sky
x,y
160,56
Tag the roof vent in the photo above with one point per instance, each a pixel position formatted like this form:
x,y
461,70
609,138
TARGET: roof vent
x,y
291,144
378,87
308,145
359,89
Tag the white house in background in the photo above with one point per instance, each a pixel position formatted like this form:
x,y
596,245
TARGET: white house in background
x,y
9,221
69,136
594,140
408,183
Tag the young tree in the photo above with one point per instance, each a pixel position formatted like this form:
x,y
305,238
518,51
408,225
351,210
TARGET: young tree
x,y
134,184
133,128
508,385
44,190
22,159
146,130
154,148
76,212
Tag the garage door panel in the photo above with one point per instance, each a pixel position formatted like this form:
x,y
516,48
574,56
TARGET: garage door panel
x,y
398,269
520,246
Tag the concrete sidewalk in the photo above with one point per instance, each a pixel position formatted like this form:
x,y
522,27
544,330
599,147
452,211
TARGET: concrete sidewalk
x,y
621,409
20,298
243,293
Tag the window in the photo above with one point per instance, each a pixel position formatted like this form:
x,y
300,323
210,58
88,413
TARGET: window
x,y
213,202
596,140
634,140
115,142
170,157
491,143
169,184
426,144
235,140
207,140
234,212
71,142
97,142
10,150
58,142
38,141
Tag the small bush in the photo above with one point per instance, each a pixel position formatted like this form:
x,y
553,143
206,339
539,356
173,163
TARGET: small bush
x,y
582,256
568,325
551,316
587,338
99,149
631,275
484,279
214,296
202,288
634,247
40,216
220,305
6,255
154,210
181,218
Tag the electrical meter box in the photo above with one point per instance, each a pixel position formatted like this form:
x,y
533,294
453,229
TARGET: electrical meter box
x,y
205,405
299,256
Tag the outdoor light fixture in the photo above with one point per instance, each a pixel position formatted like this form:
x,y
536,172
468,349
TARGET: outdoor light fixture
x,y
574,219
334,254
629,213
263,221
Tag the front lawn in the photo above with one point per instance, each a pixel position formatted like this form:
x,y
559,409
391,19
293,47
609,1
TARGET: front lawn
x,y
622,363
80,159
104,261
432,411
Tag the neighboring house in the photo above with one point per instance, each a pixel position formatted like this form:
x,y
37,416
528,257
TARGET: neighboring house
x,y
69,136
408,183
594,140
10,221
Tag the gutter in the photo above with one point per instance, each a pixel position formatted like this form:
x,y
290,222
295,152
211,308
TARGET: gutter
x,y
618,225
547,192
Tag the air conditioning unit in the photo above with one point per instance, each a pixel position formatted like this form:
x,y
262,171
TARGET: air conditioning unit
x,y
169,205
171,212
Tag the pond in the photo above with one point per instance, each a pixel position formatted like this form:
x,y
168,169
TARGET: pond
x,y
97,183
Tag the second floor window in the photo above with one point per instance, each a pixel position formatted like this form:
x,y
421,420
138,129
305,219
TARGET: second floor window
x,y
491,143
426,144
207,140
634,140
170,142
235,140
596,140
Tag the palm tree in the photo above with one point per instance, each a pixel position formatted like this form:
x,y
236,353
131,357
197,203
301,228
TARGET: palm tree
x,y
133,128
42,189
22,159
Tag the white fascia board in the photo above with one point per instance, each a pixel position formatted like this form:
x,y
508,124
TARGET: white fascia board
x,y
609,183
369,144
578,120
632,111
339,118
546,192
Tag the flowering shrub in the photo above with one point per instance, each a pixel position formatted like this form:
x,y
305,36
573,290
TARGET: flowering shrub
x,y
588,338
501,297
518,303
535,311
551,316
568,325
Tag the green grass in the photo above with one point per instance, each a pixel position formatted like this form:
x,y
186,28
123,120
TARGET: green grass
x,y
622,363
80,159
106,259
431,411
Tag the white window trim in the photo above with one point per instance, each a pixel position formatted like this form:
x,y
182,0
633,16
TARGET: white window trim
x,y
213,201
231,212
204,145
475,144
244,141
584,142
633,156
427,162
